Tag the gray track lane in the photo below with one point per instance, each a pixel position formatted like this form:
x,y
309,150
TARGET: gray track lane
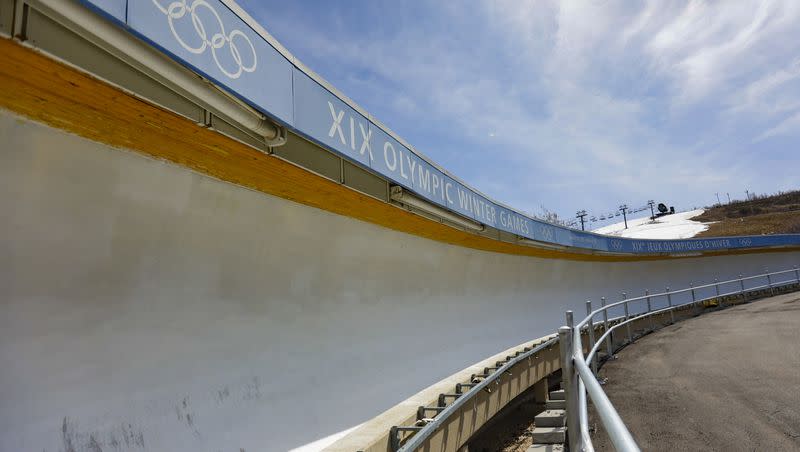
x,y
726,381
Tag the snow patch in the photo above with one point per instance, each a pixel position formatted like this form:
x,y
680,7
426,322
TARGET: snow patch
x,y
675,226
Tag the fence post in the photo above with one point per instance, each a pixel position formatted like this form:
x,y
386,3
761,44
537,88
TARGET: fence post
x,y
741,285
797,273
609,347
649,310
590,326
769,282
569,382
627,317
669,303
716,287
694,297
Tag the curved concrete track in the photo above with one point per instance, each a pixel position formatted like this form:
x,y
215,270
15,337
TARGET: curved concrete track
x,y
727,381
145,304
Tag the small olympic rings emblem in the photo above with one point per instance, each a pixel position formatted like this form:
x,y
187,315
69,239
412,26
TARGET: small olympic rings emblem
x,y
178,9
616,245
745,242
547,233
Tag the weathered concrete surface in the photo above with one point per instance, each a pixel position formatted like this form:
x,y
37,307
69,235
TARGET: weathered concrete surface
x,y
728,380
146,307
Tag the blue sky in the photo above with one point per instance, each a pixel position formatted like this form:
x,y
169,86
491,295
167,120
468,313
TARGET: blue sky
x,y
571,105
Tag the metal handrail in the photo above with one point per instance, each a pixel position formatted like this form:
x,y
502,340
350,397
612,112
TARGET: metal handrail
x,y
583,381
579,372
419,438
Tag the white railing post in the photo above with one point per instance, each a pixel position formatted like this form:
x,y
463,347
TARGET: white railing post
x,y
769,281
716,288
609,346
742,291
590,327
797,273
649,310
627,316
669,303
569,379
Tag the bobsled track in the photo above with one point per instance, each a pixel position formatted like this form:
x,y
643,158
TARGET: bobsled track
x,y
198,257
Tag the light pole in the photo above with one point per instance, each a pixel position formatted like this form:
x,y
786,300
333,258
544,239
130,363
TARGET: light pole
x,y
729,197
718,203
624,209
581,214
652,214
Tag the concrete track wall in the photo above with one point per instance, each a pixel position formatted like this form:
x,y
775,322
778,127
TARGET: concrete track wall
x,y
146,307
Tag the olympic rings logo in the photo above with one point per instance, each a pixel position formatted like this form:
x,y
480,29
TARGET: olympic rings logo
x,y
745,242
548,233
178,9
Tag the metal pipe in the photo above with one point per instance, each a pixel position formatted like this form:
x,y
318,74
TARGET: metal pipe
x,y
649,310
627,316
769,282
694,296
406,198
669,303
797,273
742,291
416,441
591,333
569,382
617,432
716,287
161,68
609,348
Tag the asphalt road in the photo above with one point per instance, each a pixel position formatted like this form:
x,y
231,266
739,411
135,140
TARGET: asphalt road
x,y
728,381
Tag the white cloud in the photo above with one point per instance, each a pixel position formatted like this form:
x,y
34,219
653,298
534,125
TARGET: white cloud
x,y
788,126
583,102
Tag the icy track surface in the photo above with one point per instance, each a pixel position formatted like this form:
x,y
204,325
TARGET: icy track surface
x,y
675,226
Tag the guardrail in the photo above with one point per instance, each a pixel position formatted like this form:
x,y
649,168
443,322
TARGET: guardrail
x,y
580,372
478,383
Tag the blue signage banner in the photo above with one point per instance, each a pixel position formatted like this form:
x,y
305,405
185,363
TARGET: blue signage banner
x,y
115,8
210,38
206,36
327,120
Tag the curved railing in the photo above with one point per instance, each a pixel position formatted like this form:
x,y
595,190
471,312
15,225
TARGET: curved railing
x,y
580,358
424,432
580,371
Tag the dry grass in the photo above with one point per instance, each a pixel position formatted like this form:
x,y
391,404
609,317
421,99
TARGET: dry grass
x,y
777,214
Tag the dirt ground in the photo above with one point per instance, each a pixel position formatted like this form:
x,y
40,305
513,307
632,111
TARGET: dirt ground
x,y
776,214
727,381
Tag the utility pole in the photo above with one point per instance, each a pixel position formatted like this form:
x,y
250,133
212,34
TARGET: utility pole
x,y
718,203
652,214
729,197
747,194
581,214
624,209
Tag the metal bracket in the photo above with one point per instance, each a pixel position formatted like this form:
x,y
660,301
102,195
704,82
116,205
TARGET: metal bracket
x,y
278,141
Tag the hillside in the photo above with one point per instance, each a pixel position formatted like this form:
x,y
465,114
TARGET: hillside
x,y
776,214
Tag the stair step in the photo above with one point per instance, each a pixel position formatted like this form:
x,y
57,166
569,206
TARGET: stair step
x,y
551,418
555,405
549,435
557,395
546,448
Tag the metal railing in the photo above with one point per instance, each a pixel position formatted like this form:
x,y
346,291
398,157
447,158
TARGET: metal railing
x,y
579,372
430,426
